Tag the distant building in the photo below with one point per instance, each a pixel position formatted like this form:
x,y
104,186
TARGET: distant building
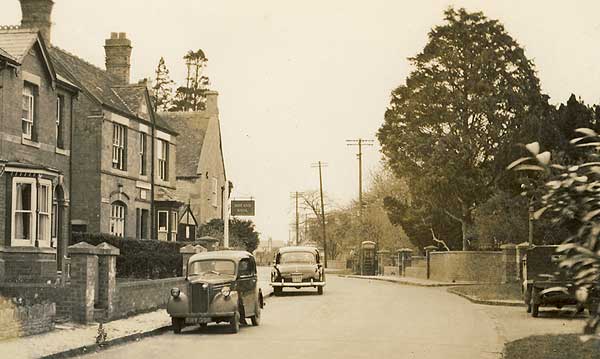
x,y
201,179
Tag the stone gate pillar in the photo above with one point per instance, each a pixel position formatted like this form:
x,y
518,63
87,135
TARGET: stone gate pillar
x,y
428,251
521,251
510,273
186,253
107,277
84,277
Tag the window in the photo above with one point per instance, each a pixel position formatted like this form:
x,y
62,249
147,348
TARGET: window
x,y
117,219
163,221
31,212
28,111
142,153
215,187
59,122
118,153
44,210
163,160
173,225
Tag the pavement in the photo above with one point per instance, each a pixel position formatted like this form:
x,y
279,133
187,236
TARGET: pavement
x,y
71,339
411,281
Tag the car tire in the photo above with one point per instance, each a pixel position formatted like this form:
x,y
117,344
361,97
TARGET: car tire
x,y
255,319
234,323
320,290
529,307
177,324
203,325
277,290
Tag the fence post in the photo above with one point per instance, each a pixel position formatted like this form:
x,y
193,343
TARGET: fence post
x,y
428,251
84,276
107,276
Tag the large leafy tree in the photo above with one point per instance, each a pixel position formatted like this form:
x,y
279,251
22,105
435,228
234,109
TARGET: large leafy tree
x,y
450,129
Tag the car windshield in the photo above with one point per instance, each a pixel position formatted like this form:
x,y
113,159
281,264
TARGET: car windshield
x,y
297,257
212,267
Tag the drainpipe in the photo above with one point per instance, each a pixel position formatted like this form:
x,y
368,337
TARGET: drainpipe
x,y
152,159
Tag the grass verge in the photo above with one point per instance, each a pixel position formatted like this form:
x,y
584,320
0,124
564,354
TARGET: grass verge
x,y
552,347
510,291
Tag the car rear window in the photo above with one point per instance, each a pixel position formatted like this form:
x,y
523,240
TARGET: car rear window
x,y
298,258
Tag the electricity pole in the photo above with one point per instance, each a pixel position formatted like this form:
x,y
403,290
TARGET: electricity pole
x,y
295,194
360,143
320,165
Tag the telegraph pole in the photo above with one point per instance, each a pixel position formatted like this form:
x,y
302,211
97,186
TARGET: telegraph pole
x,y
295,194
320,165
360,143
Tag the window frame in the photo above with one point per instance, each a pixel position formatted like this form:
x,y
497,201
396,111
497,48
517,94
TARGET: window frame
x,y
174,221
117,224
162,157
60,102
143,153
30,110
119,147
166,228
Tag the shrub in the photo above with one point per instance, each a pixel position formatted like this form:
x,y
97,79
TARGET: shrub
x,y
140,258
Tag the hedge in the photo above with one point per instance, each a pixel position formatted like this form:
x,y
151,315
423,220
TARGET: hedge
x,y
140,258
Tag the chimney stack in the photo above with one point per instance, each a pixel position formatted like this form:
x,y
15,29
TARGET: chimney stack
x,y
118,56
37,15
211,104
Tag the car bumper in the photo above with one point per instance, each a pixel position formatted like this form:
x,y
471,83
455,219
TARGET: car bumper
x,y
299,284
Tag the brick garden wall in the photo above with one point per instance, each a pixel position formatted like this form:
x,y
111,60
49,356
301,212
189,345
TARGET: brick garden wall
x,y
141,296
484,267
19,321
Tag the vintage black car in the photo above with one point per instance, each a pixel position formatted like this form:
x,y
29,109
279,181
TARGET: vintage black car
x,y
221,286
546,284
297,267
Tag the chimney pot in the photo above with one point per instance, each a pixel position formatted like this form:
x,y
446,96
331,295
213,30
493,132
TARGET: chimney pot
x,y
114,35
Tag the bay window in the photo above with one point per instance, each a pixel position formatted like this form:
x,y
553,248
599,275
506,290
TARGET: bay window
x,y
31,212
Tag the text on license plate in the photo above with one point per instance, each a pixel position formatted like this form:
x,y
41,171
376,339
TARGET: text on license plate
x,y
297,278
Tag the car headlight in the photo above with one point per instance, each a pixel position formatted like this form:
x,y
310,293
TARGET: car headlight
x,y
226,291
175,292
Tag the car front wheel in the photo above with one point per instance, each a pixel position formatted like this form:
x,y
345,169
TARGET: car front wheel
x,y
178,324
234,323
277,290
320,290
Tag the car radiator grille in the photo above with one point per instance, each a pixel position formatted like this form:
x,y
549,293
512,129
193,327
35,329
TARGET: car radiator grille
x,y
199,298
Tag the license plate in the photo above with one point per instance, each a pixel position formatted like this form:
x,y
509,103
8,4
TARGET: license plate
x,y
297,278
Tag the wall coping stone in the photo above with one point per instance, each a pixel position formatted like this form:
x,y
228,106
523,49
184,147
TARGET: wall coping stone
x,y
105,249
187,249
148,282
28,249
404,250
468,252
523,245
82,248
508,246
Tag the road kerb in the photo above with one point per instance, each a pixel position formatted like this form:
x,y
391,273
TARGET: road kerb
x,y
408,282
86,349
505,303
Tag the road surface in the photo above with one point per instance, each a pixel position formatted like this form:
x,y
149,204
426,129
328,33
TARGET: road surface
x,y
354,319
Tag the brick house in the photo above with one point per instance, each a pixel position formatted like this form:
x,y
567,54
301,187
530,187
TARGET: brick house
x,y
202,183
36,107
124,155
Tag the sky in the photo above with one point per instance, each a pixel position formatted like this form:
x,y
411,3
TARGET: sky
x,y
298,78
